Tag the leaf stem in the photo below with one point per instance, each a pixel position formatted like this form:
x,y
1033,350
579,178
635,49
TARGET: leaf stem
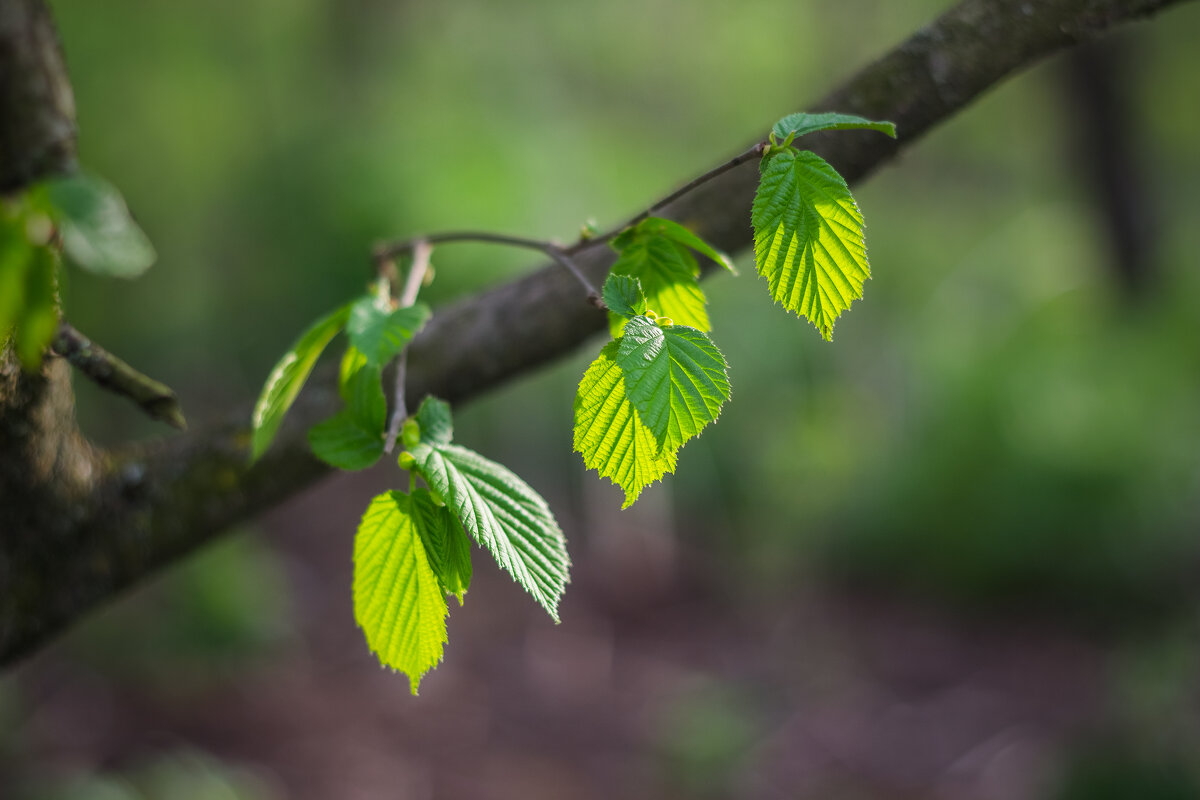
x,y
388,251
422,249
752,153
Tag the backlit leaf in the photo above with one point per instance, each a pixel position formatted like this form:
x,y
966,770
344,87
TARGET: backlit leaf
x,y
398,600
610,436
289,375
503,514
808,237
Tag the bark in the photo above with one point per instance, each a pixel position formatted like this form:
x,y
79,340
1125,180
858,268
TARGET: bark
x,y
140,510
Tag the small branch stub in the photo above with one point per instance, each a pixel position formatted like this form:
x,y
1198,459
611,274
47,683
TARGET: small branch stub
x,y
109,372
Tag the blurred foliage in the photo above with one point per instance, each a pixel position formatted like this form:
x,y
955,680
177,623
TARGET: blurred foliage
x,y
184,775
995,423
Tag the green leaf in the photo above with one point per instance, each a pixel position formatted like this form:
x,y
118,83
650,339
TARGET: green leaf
x,y
352,361
610,436
808,237
98,233
352,439
288,376
681,235
381,333
503,514
398,601
800,124
39,317
435,421
446,542
675,377
623,295
668,274
16,254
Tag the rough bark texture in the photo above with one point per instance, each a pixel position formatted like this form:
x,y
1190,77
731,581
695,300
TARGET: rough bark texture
x,y
144,509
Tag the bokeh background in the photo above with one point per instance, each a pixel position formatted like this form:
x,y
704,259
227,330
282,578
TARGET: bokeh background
x,y
951,555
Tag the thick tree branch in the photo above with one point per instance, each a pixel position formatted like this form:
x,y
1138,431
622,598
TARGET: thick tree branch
x,y
152,506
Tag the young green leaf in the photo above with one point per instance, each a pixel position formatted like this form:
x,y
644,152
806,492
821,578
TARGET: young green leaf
x,y
797,125
668,275
623,295
808,237
98,233
352,439
39,316
503,514
675,377
289,375
381,333
446,542
352,361
681,235
435,421
610,436
398,600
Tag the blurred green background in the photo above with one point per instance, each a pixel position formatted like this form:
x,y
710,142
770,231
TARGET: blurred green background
x,y
1001,442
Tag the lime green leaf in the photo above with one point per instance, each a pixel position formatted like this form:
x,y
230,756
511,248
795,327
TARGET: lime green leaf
x,y
435,422
398,601
668,274
39,317
503,514
98,233
681,235
352,439
381,333
623,295
675,377
808,237
608,433
446,542
797,125
288,377
16,254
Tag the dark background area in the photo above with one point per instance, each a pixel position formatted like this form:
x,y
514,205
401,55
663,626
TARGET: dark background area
x,y
951,555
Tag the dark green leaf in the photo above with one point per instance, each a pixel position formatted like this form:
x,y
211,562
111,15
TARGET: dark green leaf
x,y
446,542
98,233
435,421
623,295
675,377
381,333
799,124
352,439
503,514
609,434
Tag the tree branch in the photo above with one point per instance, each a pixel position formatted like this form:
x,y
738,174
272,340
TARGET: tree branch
x,y
108,371
151,506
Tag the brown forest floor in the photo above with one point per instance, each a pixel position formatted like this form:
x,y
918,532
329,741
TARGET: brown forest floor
x,y
657,684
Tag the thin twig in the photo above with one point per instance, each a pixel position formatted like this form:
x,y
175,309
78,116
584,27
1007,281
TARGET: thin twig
x,y
421,250
560,255
741,158
113,374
